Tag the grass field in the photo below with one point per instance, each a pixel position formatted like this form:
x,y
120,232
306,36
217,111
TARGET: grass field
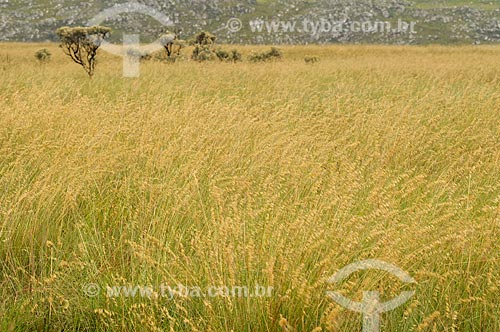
x,y
275,174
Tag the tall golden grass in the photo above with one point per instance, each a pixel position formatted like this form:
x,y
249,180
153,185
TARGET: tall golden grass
x,y
277,174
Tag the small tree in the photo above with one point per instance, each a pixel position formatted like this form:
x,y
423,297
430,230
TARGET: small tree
x,y
43,55
82,43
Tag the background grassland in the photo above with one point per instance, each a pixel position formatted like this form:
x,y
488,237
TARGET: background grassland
x,y
275,174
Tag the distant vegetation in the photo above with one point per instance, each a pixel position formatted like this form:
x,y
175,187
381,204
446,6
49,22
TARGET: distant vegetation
x,y
311,59
82,43
231,56
273,54
43,55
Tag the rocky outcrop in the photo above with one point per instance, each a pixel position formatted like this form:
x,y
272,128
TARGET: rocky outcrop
x,y
22,20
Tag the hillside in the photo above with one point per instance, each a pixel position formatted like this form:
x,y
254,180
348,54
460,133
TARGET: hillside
x,y
442,21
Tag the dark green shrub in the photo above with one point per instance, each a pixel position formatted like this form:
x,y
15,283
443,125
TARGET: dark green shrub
x,y
236,56
43,55
271,55
233,56
222,55
311,59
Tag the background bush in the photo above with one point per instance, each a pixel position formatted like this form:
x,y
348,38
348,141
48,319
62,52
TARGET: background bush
x,y
273,54
232,56
43,55
311,59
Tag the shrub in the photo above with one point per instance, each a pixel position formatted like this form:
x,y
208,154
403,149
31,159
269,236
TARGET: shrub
x,y
43,55
233,56
163,57
203,53
222,55
275,53
204,47
311,59
236,56
271,55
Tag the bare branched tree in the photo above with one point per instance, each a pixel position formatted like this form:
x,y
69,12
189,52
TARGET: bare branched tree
x,y
82,43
